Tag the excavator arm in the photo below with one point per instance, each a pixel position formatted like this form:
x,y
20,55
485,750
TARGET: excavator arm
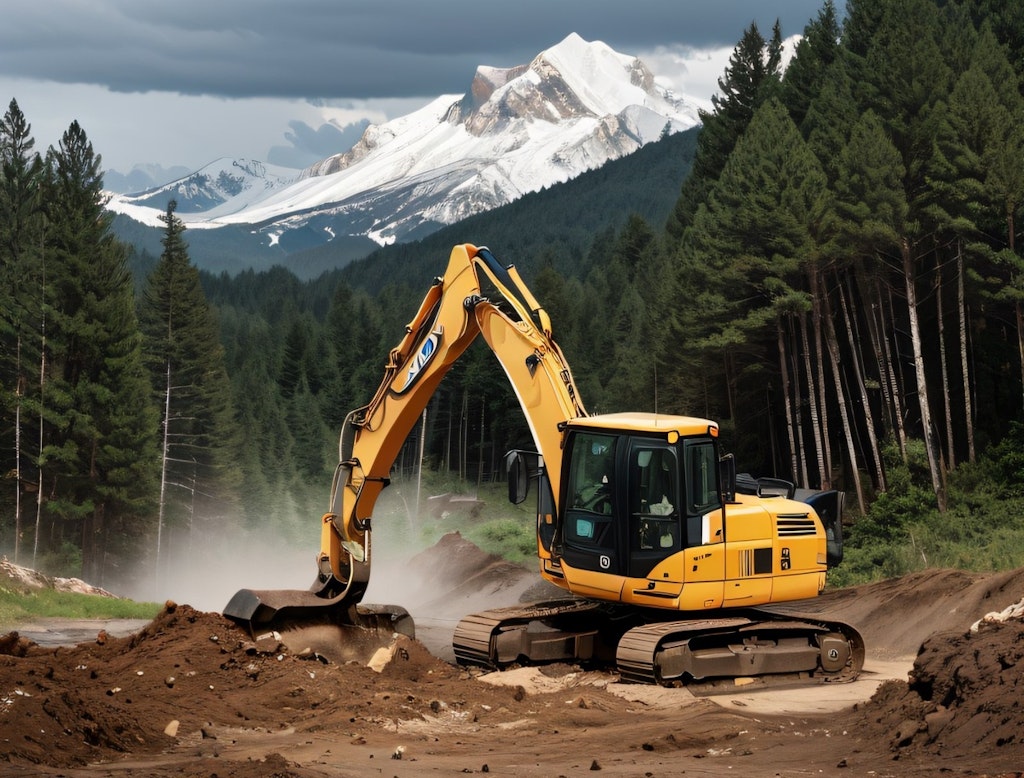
x,y
450,317
453,313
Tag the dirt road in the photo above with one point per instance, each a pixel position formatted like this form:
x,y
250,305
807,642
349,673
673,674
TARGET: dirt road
x,y
189,694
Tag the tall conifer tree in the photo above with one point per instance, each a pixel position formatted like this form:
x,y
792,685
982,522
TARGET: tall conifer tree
x,y
20,303
98,458
751,76
189,383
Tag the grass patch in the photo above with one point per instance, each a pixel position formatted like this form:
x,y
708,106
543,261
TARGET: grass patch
x,y
18,606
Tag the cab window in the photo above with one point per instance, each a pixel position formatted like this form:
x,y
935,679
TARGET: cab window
x,y
701,478
589,519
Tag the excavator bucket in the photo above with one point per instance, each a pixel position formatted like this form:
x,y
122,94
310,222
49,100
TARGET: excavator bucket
x,y
307,623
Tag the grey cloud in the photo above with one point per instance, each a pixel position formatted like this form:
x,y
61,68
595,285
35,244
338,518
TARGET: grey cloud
x,y
344,48
309,145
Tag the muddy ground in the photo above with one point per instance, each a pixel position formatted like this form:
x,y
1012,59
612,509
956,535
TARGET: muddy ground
x,y
191,694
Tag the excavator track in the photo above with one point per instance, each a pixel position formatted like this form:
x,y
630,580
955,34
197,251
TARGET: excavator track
x,y
754,643
758,643
538,632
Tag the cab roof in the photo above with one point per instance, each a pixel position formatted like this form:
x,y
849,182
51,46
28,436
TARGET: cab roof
x,y
656,423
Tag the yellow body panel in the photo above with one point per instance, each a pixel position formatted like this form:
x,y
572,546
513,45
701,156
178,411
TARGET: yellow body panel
x,y
754,566
657,423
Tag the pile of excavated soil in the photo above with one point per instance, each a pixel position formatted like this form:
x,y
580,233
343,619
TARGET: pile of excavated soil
x,y
964,695
193,694
23,578
188,674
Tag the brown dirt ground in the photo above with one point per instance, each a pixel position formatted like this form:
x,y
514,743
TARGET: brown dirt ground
x,y
191,694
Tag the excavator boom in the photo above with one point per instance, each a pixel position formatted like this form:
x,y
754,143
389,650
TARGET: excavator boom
x,y
452,314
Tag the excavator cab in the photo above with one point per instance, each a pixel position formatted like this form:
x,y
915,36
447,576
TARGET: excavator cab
x,y
630,497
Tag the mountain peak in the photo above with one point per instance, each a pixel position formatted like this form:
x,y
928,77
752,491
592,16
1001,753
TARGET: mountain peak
x,y
573,107
573,79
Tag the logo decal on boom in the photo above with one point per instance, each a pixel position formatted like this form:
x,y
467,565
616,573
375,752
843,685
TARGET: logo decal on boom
x,y
421,359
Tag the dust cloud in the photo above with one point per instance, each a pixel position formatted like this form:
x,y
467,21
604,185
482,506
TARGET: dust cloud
x,y
205,572
206,575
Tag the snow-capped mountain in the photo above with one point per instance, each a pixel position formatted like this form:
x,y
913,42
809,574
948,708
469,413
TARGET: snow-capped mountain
x,y
229,185
516,130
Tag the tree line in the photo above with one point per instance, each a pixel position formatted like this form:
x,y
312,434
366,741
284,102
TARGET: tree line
x,y
109,399
839,284
848,238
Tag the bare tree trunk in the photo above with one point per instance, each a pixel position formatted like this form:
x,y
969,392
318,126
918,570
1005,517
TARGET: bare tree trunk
x,y
947,401
1012,245
727,364
962,310
785,397
463,434
448,436
819,353
858,371
419,468
19,392
922,384
1020,341
39,491
837,376
164,461
812,398
876,334
480,453
894,379
798,413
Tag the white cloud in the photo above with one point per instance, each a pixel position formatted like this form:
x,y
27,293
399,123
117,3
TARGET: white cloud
x,y
689,71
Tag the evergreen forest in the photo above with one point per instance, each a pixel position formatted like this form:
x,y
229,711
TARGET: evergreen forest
x,y
829,268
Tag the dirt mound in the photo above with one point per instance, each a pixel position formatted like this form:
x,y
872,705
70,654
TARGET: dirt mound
x,y
188,674
457,566
895,616
964,694
452,560
193,694
455,577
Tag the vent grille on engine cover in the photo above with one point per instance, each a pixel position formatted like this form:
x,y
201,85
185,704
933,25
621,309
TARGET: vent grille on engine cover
x,y
794,526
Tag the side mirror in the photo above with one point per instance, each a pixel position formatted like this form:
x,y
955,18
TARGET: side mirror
x,y
518,477
727,478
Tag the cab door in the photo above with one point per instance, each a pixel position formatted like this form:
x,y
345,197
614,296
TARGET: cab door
x,y
590,530
704,559
654,528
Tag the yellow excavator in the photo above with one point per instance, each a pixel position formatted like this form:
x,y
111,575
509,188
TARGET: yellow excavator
x,y
673,565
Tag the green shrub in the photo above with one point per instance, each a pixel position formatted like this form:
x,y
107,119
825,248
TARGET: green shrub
x,y
65,562
982,528
510,539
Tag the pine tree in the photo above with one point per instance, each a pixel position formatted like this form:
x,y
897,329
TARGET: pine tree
x,y
99,457
21,225
815,53
635,306
742,262
750,78
906,82
190,384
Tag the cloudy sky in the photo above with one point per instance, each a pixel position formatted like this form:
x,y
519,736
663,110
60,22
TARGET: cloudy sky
x,y
186,82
